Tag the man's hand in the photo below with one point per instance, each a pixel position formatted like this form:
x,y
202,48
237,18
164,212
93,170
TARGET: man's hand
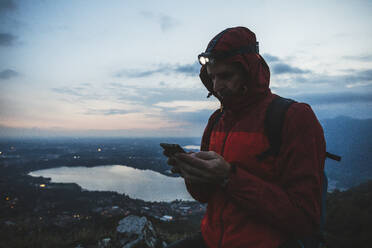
x,y
201,167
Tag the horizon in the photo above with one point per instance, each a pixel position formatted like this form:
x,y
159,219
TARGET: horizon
x,y
129,69
28,134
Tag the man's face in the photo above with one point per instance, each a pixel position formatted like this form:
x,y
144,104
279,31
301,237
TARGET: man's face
x,y
228,79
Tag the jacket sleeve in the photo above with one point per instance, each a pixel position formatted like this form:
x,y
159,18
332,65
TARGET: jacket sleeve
x,y
293,202
203,191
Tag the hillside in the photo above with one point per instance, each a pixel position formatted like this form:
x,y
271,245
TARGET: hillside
x,y
349,217
351,139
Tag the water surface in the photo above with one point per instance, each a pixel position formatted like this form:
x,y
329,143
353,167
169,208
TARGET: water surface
x,y
142,184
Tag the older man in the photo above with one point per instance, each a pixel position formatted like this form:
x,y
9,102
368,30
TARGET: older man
x,y
253,200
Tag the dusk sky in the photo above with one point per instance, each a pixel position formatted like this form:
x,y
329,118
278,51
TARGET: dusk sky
x,y
129,68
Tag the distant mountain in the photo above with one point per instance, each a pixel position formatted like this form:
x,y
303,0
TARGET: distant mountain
x,y
351,139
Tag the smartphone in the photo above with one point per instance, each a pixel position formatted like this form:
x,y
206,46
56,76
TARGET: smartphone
x,y
171,149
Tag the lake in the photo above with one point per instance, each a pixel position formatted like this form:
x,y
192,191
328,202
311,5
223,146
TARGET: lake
x,y
138,184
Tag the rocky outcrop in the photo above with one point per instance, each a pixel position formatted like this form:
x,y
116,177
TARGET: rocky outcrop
x,y
134,231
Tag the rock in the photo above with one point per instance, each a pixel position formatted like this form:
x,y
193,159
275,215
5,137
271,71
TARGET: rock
x,y
132,224
134,230
104,243
9,223
132,243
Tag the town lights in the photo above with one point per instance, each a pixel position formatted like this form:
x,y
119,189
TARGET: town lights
x,y
42,185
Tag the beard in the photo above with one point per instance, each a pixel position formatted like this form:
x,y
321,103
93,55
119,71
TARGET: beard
x,y
230,98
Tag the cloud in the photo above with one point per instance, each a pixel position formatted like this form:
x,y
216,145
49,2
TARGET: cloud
x,y
359,76
335,98
186,69
188,106
282,68
196,119
363,58
7,39
7,6
270,58
287,76
354,78
140,74
7,74
166,22
107,112
73,91
278,66
152,95
87,92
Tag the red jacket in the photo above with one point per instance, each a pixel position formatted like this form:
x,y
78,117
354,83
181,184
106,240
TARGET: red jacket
x,y
265,202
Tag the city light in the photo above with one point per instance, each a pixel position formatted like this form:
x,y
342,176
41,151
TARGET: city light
x,y
99,149
42,185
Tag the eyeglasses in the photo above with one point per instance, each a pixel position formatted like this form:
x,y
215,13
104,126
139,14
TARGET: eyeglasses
x,y
212,57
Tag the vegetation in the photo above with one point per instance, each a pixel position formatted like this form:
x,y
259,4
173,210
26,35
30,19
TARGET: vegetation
x,y
349,217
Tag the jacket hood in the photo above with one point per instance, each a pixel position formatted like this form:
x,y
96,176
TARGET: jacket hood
x,y
258,73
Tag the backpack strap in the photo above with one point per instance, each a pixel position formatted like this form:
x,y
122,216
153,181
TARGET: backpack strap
x,y
274,121
273,125
213,120
333,156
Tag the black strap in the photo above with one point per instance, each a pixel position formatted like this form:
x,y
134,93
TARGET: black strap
x,y
333,156
274,120
214,120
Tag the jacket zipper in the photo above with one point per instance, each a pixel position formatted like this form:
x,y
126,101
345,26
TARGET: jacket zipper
x,y
225,204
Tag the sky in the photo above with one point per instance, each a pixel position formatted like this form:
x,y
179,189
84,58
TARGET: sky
x,y
129,68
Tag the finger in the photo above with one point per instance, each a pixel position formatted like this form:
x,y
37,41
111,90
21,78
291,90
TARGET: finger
x,y
192,160
172,161
167,154
175,170
192,178
190,169
207,174
207,155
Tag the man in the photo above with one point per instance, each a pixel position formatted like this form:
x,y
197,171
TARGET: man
x,y
252,202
